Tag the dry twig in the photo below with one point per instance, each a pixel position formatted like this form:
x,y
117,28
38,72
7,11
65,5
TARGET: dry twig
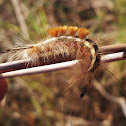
x,y
113,48
20,18
21,64
53,67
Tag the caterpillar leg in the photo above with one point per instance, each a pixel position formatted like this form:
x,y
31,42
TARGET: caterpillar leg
x,y
84,89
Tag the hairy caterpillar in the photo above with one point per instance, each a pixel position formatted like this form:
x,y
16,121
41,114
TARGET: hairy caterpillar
x,y
67,43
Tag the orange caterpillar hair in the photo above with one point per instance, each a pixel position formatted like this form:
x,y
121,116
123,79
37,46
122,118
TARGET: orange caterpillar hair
x,y
71,31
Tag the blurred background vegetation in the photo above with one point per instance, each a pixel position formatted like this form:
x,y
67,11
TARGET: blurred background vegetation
x,y
41,100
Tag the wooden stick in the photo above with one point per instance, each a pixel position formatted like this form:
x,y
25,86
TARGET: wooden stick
x,y
113,48
59,66
20,17
26,63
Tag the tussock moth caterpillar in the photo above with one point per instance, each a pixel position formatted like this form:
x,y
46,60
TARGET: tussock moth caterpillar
x,y
67,42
